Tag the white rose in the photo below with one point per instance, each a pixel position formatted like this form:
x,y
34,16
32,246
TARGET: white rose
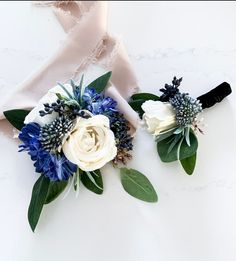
x,y
49,97
159,116
91,143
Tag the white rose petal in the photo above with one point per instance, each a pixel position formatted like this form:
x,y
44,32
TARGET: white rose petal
x,y
159,116
91,143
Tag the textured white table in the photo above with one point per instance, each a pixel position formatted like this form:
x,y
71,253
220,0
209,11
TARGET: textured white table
x,y
195,218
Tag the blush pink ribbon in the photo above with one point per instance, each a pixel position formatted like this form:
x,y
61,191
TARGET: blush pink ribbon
x,y
87,44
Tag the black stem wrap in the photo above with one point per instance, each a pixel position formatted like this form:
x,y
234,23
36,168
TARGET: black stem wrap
x,y
215,95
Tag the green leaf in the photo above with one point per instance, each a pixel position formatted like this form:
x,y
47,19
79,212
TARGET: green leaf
x,y
65,90
144,96
137,185
92,182
81,89
76,180
186,150
100,83
175,140
186,133
163,149
136,106
138,99
180,150
16,117
54,190
62,97
39,195
189,163
165,134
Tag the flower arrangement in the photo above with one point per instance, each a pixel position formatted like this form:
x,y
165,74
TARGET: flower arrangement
x,y
173,119
70,135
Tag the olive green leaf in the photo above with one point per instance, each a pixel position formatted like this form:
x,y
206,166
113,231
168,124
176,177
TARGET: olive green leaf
x,y
54,190
39,195
137,185
144,96
138,99
169,152
189,163
92,180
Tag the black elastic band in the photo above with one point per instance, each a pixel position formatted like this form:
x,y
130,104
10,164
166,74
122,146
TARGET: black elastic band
x,y
215,95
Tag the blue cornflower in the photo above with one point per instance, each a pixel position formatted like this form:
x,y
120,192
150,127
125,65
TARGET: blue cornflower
x,y
55,167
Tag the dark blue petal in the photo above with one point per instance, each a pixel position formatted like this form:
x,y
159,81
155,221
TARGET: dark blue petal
x,y
55,167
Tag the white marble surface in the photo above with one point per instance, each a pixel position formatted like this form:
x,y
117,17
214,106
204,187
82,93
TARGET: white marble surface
x,y
195,216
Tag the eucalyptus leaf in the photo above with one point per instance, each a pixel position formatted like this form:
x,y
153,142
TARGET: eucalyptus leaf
x,y
189,163
54,190
101,83
137,185
39,195
16,117
92,181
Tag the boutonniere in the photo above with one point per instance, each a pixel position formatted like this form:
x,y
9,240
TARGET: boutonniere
x,y
174,120
70,135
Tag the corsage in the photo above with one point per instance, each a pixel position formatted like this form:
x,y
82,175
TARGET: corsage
x,y
173,119
72,133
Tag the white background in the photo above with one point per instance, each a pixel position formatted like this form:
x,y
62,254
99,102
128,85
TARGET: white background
x,y
195,217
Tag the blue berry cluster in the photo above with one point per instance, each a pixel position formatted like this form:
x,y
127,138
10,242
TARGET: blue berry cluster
x,y
170,90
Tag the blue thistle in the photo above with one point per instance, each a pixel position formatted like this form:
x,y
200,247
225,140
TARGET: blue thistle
x,y
186,108
51,135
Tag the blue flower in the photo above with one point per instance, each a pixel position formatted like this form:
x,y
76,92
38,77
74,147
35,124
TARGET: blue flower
x,y
97,103
55,167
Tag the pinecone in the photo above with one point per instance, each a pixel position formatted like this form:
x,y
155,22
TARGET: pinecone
x,y
51,135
